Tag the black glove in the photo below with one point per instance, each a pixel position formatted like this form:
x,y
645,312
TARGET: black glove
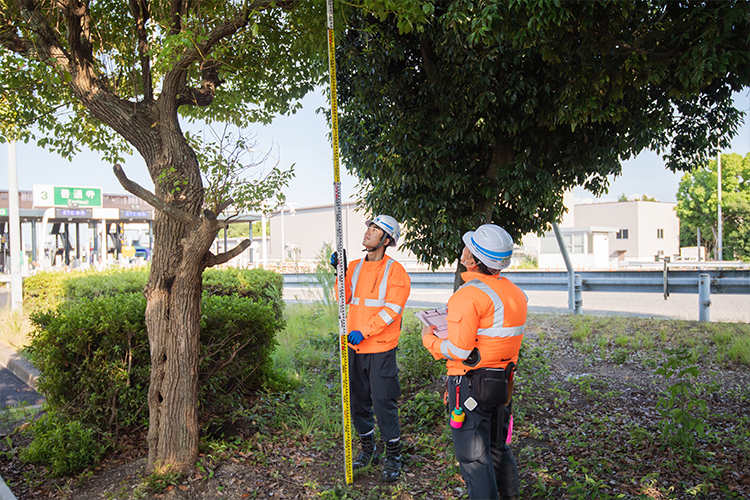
x,y
335,261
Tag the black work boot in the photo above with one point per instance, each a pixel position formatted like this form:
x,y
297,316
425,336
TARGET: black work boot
x,y
368,453
392,464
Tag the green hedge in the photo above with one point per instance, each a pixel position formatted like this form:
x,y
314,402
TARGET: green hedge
x,y
47,290
92,348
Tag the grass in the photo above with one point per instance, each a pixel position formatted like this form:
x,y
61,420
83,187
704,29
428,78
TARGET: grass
x,y
14,329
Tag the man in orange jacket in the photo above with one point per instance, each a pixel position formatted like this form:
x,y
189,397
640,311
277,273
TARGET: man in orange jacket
x,y
486,320
377,288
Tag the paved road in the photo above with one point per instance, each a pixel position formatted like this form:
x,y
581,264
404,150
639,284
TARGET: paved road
x,y
13,391
724,307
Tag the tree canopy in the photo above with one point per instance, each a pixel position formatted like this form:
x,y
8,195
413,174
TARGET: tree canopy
x,y
238,63
457,112
698,205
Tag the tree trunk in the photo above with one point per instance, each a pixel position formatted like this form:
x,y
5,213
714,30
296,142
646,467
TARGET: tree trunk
x,y
173,309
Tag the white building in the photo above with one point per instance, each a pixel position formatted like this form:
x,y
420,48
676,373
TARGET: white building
x,y
611,235
646,230
304,232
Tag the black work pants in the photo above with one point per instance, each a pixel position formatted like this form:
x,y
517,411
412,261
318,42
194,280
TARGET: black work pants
x,y
374,386
487,463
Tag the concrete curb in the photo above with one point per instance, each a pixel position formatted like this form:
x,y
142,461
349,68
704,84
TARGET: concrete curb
x,y
24,370
5,493
19,366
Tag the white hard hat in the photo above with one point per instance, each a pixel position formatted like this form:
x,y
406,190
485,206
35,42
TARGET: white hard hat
x,y
387,224
491,244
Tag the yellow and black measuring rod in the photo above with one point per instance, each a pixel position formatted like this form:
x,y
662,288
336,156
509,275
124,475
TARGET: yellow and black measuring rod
x,y
340,271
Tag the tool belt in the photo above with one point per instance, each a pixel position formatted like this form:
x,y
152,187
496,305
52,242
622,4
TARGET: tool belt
x,y
493,386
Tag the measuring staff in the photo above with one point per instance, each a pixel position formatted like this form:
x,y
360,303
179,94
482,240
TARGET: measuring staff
x,y
377,288
340,269
486,320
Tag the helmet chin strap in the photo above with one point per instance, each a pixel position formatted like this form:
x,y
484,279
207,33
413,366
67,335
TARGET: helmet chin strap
x,y
382,240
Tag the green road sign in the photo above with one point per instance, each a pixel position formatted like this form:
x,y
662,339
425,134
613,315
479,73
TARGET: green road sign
x,y
77,196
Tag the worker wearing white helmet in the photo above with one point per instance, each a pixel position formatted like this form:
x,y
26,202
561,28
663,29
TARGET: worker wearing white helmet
x,y
486,320
377,288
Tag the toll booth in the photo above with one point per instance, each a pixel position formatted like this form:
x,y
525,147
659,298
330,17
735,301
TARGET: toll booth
x,y
75,235
64,220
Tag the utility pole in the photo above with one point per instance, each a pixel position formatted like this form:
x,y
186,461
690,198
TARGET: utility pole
x,y
719,244
14,221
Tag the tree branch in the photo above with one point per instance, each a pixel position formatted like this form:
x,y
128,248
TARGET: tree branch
x,y
204,95
139,11
153,200
502,154
215,260
48,46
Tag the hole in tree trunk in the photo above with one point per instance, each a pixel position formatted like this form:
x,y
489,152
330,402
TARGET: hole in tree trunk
x,y
160,398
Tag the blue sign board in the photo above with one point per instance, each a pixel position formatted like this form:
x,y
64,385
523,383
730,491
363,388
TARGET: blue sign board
x,y
135,214
72,213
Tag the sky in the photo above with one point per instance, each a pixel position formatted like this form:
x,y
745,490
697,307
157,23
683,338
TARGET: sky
x,y
302,139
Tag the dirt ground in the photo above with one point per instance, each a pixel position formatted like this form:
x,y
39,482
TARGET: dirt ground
x,y
286,465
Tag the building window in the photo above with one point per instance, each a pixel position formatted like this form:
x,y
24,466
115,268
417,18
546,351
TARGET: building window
x,y
622,234
660,234
573,243
577,243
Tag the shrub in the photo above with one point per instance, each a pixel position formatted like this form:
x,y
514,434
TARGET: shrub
x,y
257,284
93,356
65,447
109,283
238,335
416,365
93,353
425,411
45,290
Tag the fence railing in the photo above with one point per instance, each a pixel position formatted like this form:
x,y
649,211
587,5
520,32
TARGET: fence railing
x,y
729,281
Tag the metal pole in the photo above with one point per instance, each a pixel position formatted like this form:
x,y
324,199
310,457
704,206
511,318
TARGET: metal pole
x,y
578,285
699,243
704,297
67,244
104,242
719,244
95,254
14,231
78,244
33,240
283,244
263,237
340,271
568,265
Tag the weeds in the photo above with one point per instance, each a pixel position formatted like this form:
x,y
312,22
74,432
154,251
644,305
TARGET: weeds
x,y
683,411
14,329
160,481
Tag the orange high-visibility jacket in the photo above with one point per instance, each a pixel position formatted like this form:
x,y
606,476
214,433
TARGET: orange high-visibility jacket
x,y
487,312
376,293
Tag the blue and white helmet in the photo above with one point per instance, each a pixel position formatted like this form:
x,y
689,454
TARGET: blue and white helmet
x,y
387,224
491,244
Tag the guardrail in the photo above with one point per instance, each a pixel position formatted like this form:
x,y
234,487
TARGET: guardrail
x,y
701,282
728,281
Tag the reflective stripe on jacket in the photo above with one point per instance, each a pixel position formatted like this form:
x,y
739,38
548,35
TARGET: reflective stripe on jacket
x,y
376,293
487,312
